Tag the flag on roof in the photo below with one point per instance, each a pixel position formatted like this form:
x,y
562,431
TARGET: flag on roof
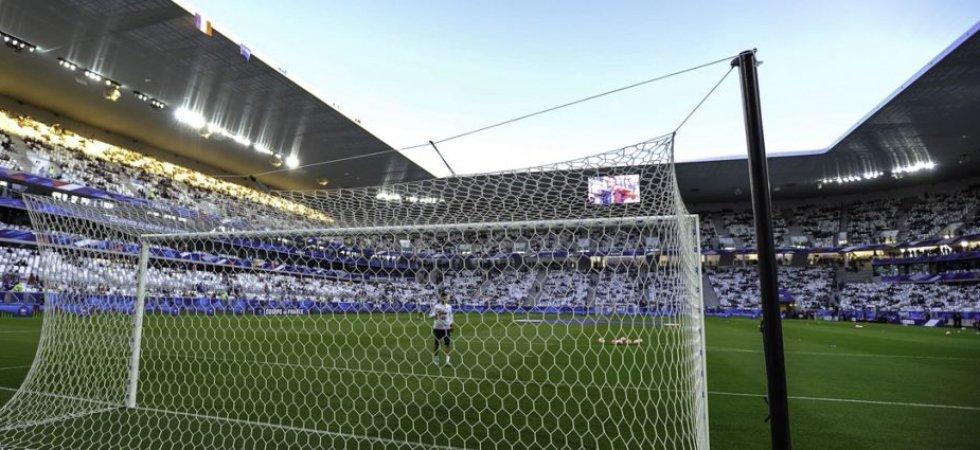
x,y
203,25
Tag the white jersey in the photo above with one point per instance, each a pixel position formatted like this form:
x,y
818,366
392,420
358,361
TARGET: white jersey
x,y
443,315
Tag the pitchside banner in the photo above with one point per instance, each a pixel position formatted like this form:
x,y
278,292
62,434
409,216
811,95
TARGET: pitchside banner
x,y
17,310
281,312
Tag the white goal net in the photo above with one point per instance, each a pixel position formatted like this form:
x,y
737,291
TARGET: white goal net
x,y
556,307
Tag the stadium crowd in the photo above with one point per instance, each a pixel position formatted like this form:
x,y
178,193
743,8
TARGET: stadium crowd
x,y
867,220
911,296
933,213
818,221
930,215
57,154
66,156
738,287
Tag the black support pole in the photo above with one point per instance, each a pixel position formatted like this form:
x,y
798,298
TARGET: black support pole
x,y
772,328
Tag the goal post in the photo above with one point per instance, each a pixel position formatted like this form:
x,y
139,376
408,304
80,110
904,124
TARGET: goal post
x,y
577,318
139,309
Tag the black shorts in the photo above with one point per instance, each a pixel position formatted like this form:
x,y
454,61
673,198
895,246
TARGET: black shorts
x,y
442,335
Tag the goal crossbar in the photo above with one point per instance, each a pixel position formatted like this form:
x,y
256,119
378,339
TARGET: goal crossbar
x,y
474,226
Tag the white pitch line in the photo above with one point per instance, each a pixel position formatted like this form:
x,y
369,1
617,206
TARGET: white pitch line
x,y
856,355
579,385
72,416
300,429
14,367
853,400
19,331
742,394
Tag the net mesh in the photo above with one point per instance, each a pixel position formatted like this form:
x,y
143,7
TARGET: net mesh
x,y
574,324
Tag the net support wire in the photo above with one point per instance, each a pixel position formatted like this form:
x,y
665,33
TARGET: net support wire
x,y
432,143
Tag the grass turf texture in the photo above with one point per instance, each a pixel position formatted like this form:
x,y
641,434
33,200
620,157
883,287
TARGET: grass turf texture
x,y
827,363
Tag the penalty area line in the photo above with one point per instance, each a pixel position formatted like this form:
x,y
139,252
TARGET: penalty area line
x,y
853,400
245,422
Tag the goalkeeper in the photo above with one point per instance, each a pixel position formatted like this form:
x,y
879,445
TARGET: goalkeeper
x,y
442,327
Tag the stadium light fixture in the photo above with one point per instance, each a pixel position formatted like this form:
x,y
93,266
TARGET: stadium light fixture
x,y
913,168
92,75
187,117
215,129
112,93
241,140
154,103
393,197
292,162
67,64
866,176
17,44
206,129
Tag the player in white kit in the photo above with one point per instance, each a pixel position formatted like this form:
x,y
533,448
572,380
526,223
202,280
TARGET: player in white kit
x,y
442,328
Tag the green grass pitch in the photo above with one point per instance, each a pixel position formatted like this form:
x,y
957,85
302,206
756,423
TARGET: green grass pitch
x,y
874,387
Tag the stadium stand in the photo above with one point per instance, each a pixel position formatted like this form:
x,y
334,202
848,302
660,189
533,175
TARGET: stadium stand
x,y
69,157
738,287
708,231
6,147
613,289
911,297
563,289
738,224
933,214
819,222
868,219
508,287
463,286
902,280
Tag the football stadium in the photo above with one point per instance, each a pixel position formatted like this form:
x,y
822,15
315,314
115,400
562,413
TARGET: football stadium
x,y
489,226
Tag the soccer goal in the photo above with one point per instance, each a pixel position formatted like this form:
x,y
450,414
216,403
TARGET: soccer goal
x,y
556,307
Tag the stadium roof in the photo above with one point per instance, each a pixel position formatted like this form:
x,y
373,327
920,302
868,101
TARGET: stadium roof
x,y
155,48
932,118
